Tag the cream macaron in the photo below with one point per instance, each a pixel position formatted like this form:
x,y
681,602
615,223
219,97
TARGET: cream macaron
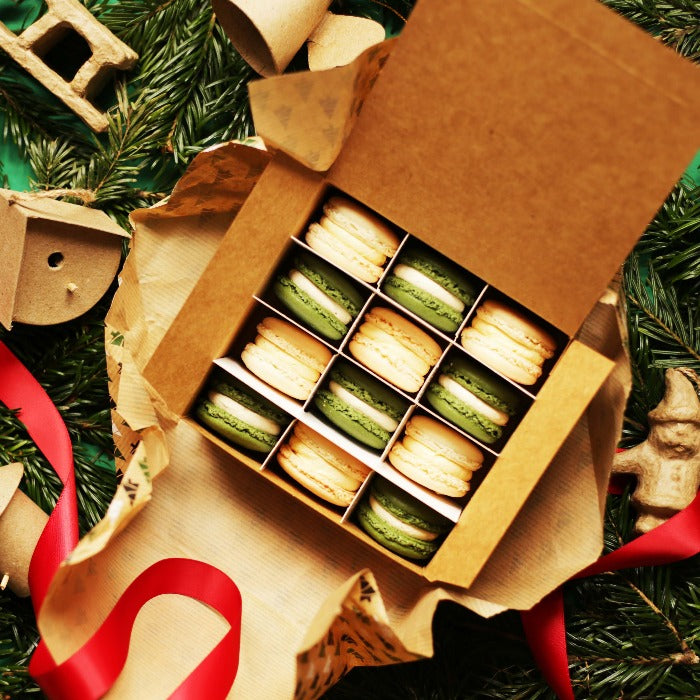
x,y
321,467
436,457
286,357
354,239
507,341
394,348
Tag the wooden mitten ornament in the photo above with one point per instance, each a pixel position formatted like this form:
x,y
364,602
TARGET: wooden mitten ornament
x,y
107,55
667,463
58,259
21,524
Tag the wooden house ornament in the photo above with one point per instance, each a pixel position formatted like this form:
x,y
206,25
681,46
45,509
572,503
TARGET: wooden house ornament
x,y
108,54
58,258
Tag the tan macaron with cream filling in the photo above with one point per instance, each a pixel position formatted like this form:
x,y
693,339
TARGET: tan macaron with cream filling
x,y
286,357
321,467
354,239
394,348
507,341
436,457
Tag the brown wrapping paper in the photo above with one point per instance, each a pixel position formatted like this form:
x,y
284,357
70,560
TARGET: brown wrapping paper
x,y
315,600
21,524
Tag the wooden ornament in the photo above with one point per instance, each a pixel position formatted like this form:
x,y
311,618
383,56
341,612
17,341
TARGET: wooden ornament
x,y
107,55
667,463
58,258
21,524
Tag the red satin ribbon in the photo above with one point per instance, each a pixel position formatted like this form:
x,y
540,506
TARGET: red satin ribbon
x,y
94,668
676,539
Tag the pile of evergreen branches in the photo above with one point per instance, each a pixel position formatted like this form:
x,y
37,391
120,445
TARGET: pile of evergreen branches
x,y
633,634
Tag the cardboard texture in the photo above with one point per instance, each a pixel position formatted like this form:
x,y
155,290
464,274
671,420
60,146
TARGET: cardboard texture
x,y
186,291
58,261
268,34
21,524
107,55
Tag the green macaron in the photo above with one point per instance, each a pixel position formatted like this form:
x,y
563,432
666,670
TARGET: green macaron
x,y
241,416
473,399
386,497
360,406
319,296
431,287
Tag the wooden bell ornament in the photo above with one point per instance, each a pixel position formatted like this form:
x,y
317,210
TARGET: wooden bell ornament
x,y
667,463
21,524
58,258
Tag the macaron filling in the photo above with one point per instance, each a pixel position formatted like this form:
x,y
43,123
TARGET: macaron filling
x,y
424,283
319,296
243,414
383,420
474,402
400,525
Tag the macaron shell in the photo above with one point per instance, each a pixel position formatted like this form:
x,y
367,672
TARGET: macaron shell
x,y
393,347
484,385
407,508
350,421
391,538
497,357
427,473
307,310
295,342
373,356
373,255
406,332
443,272
361,223
329,451
276,372
422,304
444,442
331,282
234,430
369,390
448,406
518,326
302,471
335,250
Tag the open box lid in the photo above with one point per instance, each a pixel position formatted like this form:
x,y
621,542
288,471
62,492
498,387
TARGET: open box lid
x,y
530,141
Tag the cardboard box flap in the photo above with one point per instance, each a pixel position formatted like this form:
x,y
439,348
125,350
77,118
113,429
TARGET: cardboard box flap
x,y
544,148
64,213
572,385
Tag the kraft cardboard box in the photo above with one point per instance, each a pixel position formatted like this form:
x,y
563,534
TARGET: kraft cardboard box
x,y
530,154
531,142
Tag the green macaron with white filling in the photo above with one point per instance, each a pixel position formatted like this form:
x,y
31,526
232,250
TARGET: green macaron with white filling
x,y
361,406
432,287
319,296
400,522
241,416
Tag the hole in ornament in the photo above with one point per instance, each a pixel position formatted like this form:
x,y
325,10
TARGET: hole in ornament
x,y
55,261
64,51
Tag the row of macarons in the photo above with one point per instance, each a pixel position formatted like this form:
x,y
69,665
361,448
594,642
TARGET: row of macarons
x,y
464,392
429,453
499,334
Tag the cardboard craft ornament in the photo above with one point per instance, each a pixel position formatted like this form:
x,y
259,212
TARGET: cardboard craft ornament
x,y
667,463
268,34
108,54
58,258
21,524
506,168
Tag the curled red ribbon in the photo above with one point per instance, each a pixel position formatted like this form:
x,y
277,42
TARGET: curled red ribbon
x,y
674,540
94,668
